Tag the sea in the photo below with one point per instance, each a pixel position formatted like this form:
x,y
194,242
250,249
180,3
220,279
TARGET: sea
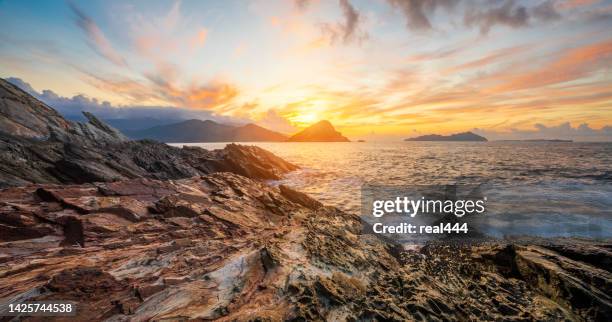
x,y
545,189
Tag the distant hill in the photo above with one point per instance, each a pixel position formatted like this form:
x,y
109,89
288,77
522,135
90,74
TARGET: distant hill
x,y
127,124
137,124
322,131
252,132
465,136
191,131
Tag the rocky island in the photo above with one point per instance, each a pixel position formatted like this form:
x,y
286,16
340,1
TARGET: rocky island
x,y
464,136
322,131
141,231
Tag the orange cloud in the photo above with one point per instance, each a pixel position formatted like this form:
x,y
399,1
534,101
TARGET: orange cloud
x,y
208,96
448,51
163,89
574,64
490,59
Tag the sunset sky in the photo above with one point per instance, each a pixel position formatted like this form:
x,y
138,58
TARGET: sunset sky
x,y
374,68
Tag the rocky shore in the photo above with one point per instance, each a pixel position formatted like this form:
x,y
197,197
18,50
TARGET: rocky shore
x,y
223,246
140,231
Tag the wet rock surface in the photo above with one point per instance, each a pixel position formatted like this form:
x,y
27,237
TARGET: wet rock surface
x,y
223,246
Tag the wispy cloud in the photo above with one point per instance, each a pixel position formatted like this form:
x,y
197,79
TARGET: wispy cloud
x,y
96,38
445,52
573,64
496,56
162,45
162,86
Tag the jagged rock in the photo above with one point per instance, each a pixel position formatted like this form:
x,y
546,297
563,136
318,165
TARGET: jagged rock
x,y
38,145
299,198
578,285
29,161
250,251
23,115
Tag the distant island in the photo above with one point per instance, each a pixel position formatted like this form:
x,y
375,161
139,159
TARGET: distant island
x,y
464,137
191,131
323,131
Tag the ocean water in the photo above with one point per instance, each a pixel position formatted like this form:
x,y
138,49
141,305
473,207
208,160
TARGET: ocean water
x,y
533,188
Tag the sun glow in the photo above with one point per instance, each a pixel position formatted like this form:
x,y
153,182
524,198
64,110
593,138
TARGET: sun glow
x,y
304,119
310,111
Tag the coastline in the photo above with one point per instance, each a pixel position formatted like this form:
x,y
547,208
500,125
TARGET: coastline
x,y
140,230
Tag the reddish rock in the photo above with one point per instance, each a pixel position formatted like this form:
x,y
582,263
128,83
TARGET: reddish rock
x,y
146,291
248,251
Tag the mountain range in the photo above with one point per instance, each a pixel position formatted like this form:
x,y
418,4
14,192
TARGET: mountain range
x,y
192,131
206,131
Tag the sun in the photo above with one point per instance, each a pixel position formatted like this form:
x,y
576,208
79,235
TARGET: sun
x,y
311,112
305,118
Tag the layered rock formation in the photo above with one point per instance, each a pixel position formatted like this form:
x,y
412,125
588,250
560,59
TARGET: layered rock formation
x,y
25,117
39,146
226,247
322,131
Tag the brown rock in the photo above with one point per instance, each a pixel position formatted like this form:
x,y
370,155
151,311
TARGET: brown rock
x,y
175,280
146,291
73,232
299,198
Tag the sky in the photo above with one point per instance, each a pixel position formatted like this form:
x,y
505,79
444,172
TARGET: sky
x,y
377,69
